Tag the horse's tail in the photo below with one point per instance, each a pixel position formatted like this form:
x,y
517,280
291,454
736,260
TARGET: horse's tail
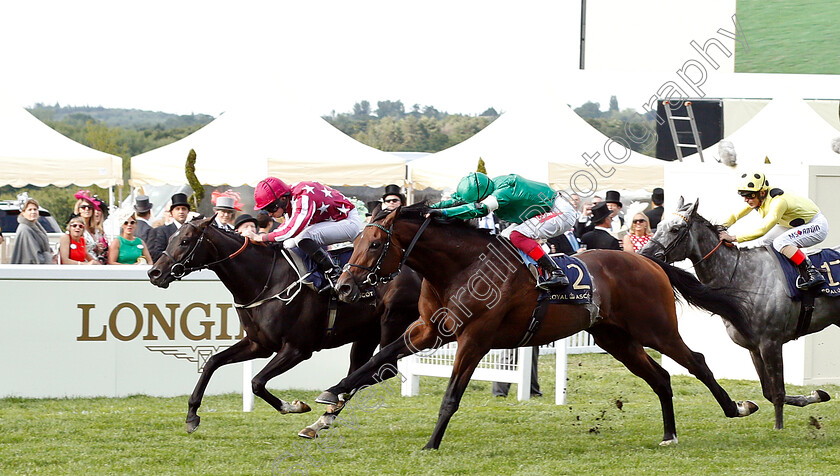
x,y
717,301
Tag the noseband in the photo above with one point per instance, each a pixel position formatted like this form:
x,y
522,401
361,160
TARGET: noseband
x,y
179,269
680,236
373,277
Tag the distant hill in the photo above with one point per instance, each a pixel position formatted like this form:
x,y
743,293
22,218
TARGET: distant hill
x,y
125,118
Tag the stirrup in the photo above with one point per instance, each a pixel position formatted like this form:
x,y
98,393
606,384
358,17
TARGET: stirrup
x,y
547,283
812,282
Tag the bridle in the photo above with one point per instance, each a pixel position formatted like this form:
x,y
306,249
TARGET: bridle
x,y
179,269
683,234
373,278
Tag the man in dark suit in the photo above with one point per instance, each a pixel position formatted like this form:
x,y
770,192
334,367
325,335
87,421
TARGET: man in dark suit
x,y
600,237
655,213
142,209
179,209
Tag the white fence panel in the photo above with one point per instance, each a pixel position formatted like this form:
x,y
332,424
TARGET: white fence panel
x,y
497,366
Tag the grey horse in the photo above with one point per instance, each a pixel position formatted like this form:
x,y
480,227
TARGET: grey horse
x,y
752,274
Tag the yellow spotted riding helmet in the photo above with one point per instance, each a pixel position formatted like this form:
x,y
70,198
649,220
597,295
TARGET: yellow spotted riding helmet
x,y
752,182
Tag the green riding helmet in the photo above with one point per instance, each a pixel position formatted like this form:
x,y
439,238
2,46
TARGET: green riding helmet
x,y
475,187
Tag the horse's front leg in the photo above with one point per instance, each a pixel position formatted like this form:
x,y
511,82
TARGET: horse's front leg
x,y
242,351
774,373
468,356
383,365
287,357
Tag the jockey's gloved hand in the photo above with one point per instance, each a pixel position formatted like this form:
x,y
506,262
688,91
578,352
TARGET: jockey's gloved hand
x,y
436,213
720,228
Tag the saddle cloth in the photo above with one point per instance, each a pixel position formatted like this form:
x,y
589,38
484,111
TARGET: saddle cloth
x,y
827,261
579,289
316,276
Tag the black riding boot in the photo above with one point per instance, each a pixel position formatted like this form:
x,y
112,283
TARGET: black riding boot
x,y
324,261
554,275
809,276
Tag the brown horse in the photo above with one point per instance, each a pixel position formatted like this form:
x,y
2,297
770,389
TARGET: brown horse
x,y
278,313
477,292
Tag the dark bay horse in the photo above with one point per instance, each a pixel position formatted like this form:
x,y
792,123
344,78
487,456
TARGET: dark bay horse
x,y
772,316
277,312
477,292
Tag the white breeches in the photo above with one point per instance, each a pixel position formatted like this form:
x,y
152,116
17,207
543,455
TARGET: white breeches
x,y
329,232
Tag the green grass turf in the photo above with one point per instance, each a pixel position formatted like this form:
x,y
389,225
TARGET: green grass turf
x,y
384,434
789,37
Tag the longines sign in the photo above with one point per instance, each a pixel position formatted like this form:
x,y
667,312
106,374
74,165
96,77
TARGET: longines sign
x,y
106,331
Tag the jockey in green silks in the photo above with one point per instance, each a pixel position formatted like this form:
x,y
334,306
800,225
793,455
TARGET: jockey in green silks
x,y
536,210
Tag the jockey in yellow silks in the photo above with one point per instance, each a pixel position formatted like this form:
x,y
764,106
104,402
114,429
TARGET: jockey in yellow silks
x,y
789,222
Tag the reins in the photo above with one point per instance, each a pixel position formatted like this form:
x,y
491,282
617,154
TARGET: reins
x,y
179,268
373,278
683,233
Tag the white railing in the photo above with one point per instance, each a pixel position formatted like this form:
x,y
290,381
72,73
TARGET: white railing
x,y
497,366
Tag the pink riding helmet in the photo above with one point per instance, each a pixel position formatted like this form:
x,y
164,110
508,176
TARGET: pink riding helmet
x,y
269,190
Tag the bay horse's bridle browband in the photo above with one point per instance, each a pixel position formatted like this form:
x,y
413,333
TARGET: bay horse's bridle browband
x,y
179,268
373,277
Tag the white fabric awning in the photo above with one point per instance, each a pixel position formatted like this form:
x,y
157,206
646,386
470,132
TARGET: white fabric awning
x,y
244,146
32,153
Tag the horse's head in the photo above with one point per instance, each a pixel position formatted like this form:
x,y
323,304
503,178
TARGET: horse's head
x,y
673,240
186,250
376,257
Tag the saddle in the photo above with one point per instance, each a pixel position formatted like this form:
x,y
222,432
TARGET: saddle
x,y
827,261
313,276
578,291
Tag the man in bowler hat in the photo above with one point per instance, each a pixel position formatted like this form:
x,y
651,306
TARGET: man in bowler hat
x,y
393,197
655,213
143,212
600,237
180,209
613,201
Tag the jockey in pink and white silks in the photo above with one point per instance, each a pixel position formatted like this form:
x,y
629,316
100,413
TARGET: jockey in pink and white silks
x,y
316,216
789,222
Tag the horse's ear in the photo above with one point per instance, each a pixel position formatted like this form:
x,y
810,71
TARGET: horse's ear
x,y
389,219
694,208
680,202
207,222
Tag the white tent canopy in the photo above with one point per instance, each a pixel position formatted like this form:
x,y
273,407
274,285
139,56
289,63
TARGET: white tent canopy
x,y
245,145
31,153
787,131
544,142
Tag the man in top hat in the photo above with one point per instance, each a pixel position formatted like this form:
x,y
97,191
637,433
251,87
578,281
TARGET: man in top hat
x,y
600,237
245,222
143,212
393,197
613,201
655,213
225,209
159,238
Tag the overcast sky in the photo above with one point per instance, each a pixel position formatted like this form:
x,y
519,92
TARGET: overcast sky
x,y
461,56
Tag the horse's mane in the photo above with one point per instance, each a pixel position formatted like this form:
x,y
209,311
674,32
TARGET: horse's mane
x,y
417,213
739,298
228,234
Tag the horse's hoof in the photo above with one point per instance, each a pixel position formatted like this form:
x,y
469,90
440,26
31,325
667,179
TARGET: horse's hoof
x,y
672,441
327,398
746,408
308,433
822,395
192,424
298,407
